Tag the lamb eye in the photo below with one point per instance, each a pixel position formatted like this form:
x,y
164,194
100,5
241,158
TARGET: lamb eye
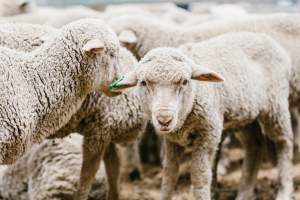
x,y
143,83
184,82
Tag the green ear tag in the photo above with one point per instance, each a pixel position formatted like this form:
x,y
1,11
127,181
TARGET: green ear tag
x,y
115,84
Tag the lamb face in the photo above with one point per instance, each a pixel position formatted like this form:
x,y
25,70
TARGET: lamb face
x,y
165,80
166,87
100,48
107,65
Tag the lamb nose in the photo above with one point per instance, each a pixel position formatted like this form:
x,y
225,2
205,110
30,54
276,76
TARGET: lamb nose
x,y
164,120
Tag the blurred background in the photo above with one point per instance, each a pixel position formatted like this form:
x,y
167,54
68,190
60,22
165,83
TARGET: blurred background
x,y
193,5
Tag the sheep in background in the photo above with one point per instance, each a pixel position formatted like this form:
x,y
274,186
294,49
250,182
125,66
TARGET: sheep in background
x,y
38,16
54,17
49,171
61,17
167,12
228,11
42,89
15,7
24,37
113,11
141,34
192,115
57,17
220,11
182,16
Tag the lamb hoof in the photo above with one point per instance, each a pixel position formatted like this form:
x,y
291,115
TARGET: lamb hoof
x,y
249,195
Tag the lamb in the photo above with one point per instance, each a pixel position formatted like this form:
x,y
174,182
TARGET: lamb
x,y
94,116
193,115
143,34
38,174
42,89
104,122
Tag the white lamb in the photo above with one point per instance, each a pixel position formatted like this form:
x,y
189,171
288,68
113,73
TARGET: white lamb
x,y
193,115
50,170
42,89
142,34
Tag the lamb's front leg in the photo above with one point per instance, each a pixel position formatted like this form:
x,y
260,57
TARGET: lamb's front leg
x,y
217,158
92,155
253,141
204,149
112,166
171,163
295,116
277,126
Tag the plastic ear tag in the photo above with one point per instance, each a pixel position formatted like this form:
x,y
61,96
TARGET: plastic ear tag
x,y
116,84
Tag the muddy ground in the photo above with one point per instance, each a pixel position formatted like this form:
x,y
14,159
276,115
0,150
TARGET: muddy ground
x,y
149,187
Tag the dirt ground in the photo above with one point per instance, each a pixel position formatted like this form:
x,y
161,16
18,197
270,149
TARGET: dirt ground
x,y
149,187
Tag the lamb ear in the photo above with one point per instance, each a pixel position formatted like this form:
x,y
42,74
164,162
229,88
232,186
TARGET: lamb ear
x,y
126,81
128,37
93,46
204,74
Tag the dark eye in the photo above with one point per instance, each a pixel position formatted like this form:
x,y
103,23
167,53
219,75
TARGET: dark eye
x,y
112,55
184,82
143,83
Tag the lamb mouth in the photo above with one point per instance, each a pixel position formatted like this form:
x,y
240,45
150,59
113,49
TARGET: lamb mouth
x,y
112,94
164,129
109,93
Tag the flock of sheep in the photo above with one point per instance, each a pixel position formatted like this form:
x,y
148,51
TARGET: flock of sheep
x,y
194,76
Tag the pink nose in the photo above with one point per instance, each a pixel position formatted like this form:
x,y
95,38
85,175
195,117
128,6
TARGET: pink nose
x,y
164,119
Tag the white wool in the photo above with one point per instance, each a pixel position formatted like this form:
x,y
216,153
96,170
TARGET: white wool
x,y
50,170
43,88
